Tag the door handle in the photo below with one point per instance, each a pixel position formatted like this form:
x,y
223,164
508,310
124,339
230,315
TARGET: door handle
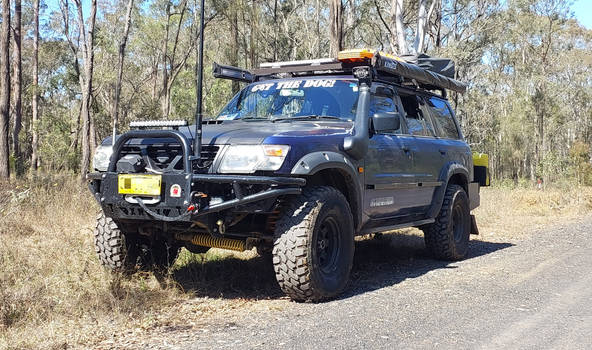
x,y
407,151
442,151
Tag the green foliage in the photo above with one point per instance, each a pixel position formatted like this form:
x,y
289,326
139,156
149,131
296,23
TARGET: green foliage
x,y
527,63
580,158
57,144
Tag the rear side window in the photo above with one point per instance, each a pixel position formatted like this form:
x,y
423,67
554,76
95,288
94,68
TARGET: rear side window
x,y
417,123
443,118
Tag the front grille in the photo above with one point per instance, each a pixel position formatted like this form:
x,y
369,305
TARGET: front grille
x,y
163,154
208,154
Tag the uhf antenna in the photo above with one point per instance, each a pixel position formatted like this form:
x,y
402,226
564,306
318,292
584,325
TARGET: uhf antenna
x,y
199,68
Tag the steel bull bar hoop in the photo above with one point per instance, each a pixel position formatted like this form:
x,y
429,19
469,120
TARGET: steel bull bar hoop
x,y
156,134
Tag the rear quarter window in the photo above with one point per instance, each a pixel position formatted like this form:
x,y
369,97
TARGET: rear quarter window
x,y
443,118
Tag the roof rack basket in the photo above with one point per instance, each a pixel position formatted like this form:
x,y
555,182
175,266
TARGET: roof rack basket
x,y
384,66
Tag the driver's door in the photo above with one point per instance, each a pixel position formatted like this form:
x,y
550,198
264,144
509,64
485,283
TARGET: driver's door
x,y
388,164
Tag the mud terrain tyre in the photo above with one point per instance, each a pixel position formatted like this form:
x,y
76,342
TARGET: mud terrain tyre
x,y
314,245
448,237
123,251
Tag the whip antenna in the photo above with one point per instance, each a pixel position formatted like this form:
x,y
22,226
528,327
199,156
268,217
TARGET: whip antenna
x,y
199,68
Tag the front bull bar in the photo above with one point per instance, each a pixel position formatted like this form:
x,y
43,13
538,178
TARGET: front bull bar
x,y
278,186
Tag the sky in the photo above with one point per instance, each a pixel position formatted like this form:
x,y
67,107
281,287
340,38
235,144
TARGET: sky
x,y
582,10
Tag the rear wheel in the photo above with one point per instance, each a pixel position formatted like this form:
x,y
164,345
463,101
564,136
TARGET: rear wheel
x,y
448,237
314,245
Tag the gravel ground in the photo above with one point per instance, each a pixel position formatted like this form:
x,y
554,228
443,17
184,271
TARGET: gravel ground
x,y
534,293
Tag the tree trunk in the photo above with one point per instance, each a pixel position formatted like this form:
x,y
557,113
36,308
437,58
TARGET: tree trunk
x,y
336,27
397,23
170,67
439,25
318,29
35,100
92,136
5,90
88,55
423,20
121,56
165,76
18,88
420,28
275,31
253,52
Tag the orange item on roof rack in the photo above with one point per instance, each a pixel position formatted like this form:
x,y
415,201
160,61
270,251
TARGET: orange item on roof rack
x,y
355,55
363,55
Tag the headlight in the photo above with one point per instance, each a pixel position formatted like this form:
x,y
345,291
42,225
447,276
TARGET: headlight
x,y
246,159
101,158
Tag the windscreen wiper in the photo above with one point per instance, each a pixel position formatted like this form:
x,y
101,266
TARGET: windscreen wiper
x,y
252,118
308,117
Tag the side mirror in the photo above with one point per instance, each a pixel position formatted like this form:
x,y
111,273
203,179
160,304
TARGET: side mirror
x,y
386,122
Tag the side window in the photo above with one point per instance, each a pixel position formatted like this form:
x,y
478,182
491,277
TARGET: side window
x,y
384,104
443,118
417,123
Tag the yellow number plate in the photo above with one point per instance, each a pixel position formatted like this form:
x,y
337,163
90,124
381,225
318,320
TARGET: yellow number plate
x,y
139,184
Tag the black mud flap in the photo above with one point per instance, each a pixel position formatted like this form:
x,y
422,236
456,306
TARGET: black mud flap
x,y
474,229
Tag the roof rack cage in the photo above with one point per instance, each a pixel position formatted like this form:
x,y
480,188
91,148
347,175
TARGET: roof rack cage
x,y
385,67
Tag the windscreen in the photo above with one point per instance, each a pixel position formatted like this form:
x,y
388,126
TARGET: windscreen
x,y
284,99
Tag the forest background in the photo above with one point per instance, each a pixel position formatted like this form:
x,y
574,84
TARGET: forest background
x,y
70,68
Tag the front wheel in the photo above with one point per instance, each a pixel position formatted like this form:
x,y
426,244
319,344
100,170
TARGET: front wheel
x,y
122,250
448,237
115,249
314,245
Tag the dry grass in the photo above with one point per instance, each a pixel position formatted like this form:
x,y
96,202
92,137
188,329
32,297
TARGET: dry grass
x,y
54,294
510,213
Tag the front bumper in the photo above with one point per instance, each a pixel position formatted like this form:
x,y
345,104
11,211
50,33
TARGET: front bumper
x,y
105,189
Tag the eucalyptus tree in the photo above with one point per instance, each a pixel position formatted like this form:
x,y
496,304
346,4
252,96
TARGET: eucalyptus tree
x,y
5,90
35,88
18,88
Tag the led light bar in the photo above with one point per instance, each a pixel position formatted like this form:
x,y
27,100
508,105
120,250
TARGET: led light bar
x,y
158,124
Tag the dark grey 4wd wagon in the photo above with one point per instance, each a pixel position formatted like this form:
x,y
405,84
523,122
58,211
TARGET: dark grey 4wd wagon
x,y
308,155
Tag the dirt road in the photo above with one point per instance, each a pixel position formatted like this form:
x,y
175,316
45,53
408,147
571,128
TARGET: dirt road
x,y
534,293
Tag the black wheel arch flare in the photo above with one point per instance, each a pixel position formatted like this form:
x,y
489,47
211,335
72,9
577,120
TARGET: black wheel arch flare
x,y
451,173
316,162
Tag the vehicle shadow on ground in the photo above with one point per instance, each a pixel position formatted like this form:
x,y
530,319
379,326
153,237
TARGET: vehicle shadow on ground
x,y
384,262
229,278
378,263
